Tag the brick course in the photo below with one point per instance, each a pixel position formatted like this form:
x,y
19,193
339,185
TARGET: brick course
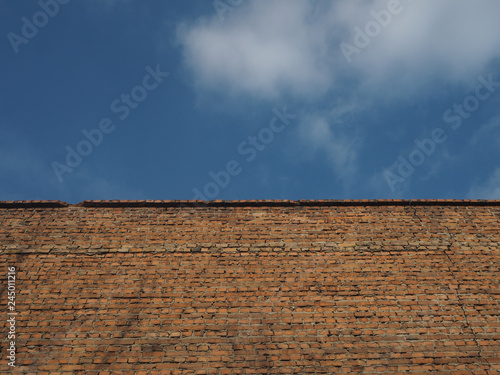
x,y
253,287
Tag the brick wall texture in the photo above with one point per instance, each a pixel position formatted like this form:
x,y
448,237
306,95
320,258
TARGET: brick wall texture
x,y
253,287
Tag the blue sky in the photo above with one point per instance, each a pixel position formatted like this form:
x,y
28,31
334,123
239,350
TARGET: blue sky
x,y
126,99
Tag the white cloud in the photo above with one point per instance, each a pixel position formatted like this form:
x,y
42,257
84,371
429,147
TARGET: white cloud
x,y
489,190
327,135
263,49
487,132
276,47
448,40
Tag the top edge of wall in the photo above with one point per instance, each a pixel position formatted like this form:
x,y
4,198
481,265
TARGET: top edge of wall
x,y
245,203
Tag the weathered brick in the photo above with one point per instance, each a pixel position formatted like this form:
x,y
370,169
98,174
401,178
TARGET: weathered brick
x,y
272,287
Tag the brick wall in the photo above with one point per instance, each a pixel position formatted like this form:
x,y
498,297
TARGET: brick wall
x,y
253,287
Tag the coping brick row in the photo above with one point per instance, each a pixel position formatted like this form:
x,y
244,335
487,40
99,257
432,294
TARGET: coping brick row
x,y
248,203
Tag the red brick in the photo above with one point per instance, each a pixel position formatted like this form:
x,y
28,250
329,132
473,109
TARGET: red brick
x,y
254,287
